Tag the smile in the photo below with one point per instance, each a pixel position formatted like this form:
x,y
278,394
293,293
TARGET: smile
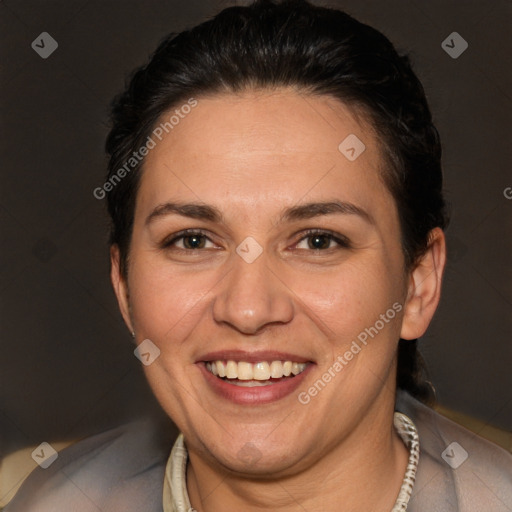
x,y
247,374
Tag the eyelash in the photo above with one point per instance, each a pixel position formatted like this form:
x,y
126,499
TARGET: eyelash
x,y
342,241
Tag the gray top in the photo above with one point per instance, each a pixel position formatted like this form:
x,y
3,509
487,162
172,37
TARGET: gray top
x,y
123,470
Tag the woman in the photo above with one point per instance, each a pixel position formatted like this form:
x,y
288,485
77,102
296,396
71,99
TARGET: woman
x,y
277,248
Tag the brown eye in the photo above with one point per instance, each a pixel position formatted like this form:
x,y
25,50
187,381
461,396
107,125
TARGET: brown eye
x,y
194,241
321,241
189,241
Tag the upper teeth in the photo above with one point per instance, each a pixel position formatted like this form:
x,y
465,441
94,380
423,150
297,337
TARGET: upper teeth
x,y
258,371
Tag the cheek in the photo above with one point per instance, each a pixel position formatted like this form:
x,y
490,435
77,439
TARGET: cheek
x,y
167,305
349,299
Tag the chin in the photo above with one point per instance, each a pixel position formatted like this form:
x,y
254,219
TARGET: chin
x,y
250,461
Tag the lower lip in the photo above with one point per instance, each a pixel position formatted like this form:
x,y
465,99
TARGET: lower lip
x,y
253,395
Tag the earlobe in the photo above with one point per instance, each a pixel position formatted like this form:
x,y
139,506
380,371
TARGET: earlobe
x,y
424,288
120,286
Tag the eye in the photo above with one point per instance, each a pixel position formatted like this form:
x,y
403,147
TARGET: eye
x,y
188,240
319,240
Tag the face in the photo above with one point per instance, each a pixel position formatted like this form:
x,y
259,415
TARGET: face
x,y
291,262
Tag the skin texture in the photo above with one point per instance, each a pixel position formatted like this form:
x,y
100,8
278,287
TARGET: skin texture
x,y
251,156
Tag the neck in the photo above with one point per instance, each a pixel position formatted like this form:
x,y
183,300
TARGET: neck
x,y
363,472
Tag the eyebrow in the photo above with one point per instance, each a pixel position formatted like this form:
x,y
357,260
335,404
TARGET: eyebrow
x,y
192,210
310,210
300,212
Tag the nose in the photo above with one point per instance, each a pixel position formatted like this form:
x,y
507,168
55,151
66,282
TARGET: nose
x,y
252,296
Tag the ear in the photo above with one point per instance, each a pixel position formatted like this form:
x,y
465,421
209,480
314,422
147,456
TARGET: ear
x,y
424,287
120,286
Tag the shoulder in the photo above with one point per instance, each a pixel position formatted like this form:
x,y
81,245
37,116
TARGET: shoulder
x,y
458,470
121,469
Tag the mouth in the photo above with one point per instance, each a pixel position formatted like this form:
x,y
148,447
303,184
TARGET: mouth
x,y
253,378
263,373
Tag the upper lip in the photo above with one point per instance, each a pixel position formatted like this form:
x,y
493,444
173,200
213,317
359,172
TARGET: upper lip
x,y
252,357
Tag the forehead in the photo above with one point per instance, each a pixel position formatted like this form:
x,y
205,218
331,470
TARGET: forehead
x,y
280,121
259,143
